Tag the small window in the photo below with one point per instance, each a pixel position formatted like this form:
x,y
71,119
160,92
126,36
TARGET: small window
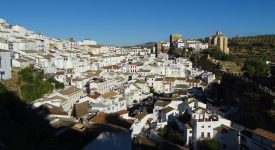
x,y
202,135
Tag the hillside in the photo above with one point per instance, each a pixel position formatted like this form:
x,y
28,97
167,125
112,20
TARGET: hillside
x,y
256,107
262,46
25,127
147,45
30,84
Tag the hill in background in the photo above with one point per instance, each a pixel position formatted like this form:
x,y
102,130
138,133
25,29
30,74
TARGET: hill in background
x,y
262,46
147,45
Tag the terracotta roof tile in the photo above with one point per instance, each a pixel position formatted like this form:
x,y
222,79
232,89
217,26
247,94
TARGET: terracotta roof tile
x,y
94,95
109,94
167,109
121,112
60,73
81,109
180,78
141,115
53,110
111,67
100,118
193,80
264,133
169,79
158,79
162,103
70,90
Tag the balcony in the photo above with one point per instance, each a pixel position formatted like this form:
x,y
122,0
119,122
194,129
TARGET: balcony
x,y
206,120
210,119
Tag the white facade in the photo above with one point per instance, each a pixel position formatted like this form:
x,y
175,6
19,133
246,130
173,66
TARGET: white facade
x,y
20,63
73,95
87,42
5,64
4,44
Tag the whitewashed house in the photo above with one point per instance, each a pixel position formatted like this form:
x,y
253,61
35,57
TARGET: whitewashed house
x,y
20,63
5,64
72,94
113,102
168,114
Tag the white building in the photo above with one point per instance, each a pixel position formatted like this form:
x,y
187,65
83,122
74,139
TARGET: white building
x,y
20,63
70,44
4,44
109,102
102,85
73,95
5,64
87,42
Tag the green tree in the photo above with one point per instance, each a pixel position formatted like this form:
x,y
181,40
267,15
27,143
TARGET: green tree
x,y
26,75
162,131
209,144
33,85
2,88
57,84
39,75
256,67
273,72
217,54
171,134
152,90
249,70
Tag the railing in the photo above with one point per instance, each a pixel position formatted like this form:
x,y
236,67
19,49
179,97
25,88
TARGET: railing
x,y
207,120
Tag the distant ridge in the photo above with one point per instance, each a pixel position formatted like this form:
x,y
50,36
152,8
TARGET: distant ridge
x,y
262,46
267,39
147,44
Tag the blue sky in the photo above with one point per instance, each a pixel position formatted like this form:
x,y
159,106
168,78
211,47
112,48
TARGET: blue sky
x,y
126,22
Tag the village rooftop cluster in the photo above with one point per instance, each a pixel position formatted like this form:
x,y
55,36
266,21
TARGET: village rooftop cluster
x,y
145,87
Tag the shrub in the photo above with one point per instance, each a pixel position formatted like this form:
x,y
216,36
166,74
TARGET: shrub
x,y
33,86
26,75
58,85
217,54
256,67
209,144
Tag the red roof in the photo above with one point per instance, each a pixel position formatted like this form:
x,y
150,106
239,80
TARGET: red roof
x,y
53,110
100,118
94,95
169,79
103,118
264,133
121,112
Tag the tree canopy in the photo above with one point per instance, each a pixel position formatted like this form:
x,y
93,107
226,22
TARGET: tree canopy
x,y
255,67
26,75
209,144
217,54
33,85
